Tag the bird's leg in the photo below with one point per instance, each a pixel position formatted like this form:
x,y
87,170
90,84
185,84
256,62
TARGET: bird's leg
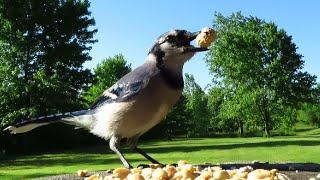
x,y
114,146
132,142
140,151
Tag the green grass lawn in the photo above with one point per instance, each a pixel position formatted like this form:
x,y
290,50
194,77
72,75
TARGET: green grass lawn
x,y
302,148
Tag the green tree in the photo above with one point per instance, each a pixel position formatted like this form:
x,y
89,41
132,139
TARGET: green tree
x,y
215,100
43,45
196,106
109,71
231,110
258,65
310,112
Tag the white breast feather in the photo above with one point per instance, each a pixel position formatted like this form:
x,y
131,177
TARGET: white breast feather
x,y
107,119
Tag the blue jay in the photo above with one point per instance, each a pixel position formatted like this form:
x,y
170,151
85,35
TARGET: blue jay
x,y
137,102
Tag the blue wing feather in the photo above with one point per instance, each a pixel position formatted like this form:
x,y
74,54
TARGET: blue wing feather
x,y
128,86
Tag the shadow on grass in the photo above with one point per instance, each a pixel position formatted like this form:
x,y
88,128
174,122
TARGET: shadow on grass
x,y
188,148
98,155
63,161
33,175
184,146
304,129
312,131
317,133
314,135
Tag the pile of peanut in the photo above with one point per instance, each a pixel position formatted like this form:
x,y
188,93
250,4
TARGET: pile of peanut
x,y
186,171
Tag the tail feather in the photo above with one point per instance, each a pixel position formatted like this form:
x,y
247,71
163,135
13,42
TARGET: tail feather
x,y
73,118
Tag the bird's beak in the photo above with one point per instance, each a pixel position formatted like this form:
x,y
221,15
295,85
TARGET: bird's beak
x,y
192,36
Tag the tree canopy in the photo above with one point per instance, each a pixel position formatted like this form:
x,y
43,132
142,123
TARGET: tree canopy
x,y
260,70
43,45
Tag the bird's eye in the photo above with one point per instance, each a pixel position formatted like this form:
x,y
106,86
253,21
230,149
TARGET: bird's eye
x,y
171,39
168,38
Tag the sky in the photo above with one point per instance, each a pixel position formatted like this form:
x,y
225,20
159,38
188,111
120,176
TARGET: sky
x,y
131,27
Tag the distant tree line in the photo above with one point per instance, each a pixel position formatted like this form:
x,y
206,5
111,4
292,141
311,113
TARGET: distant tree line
x,y
259,85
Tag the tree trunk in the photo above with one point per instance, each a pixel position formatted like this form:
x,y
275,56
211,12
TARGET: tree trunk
x,y
267,121
265,115
27,74
241,130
